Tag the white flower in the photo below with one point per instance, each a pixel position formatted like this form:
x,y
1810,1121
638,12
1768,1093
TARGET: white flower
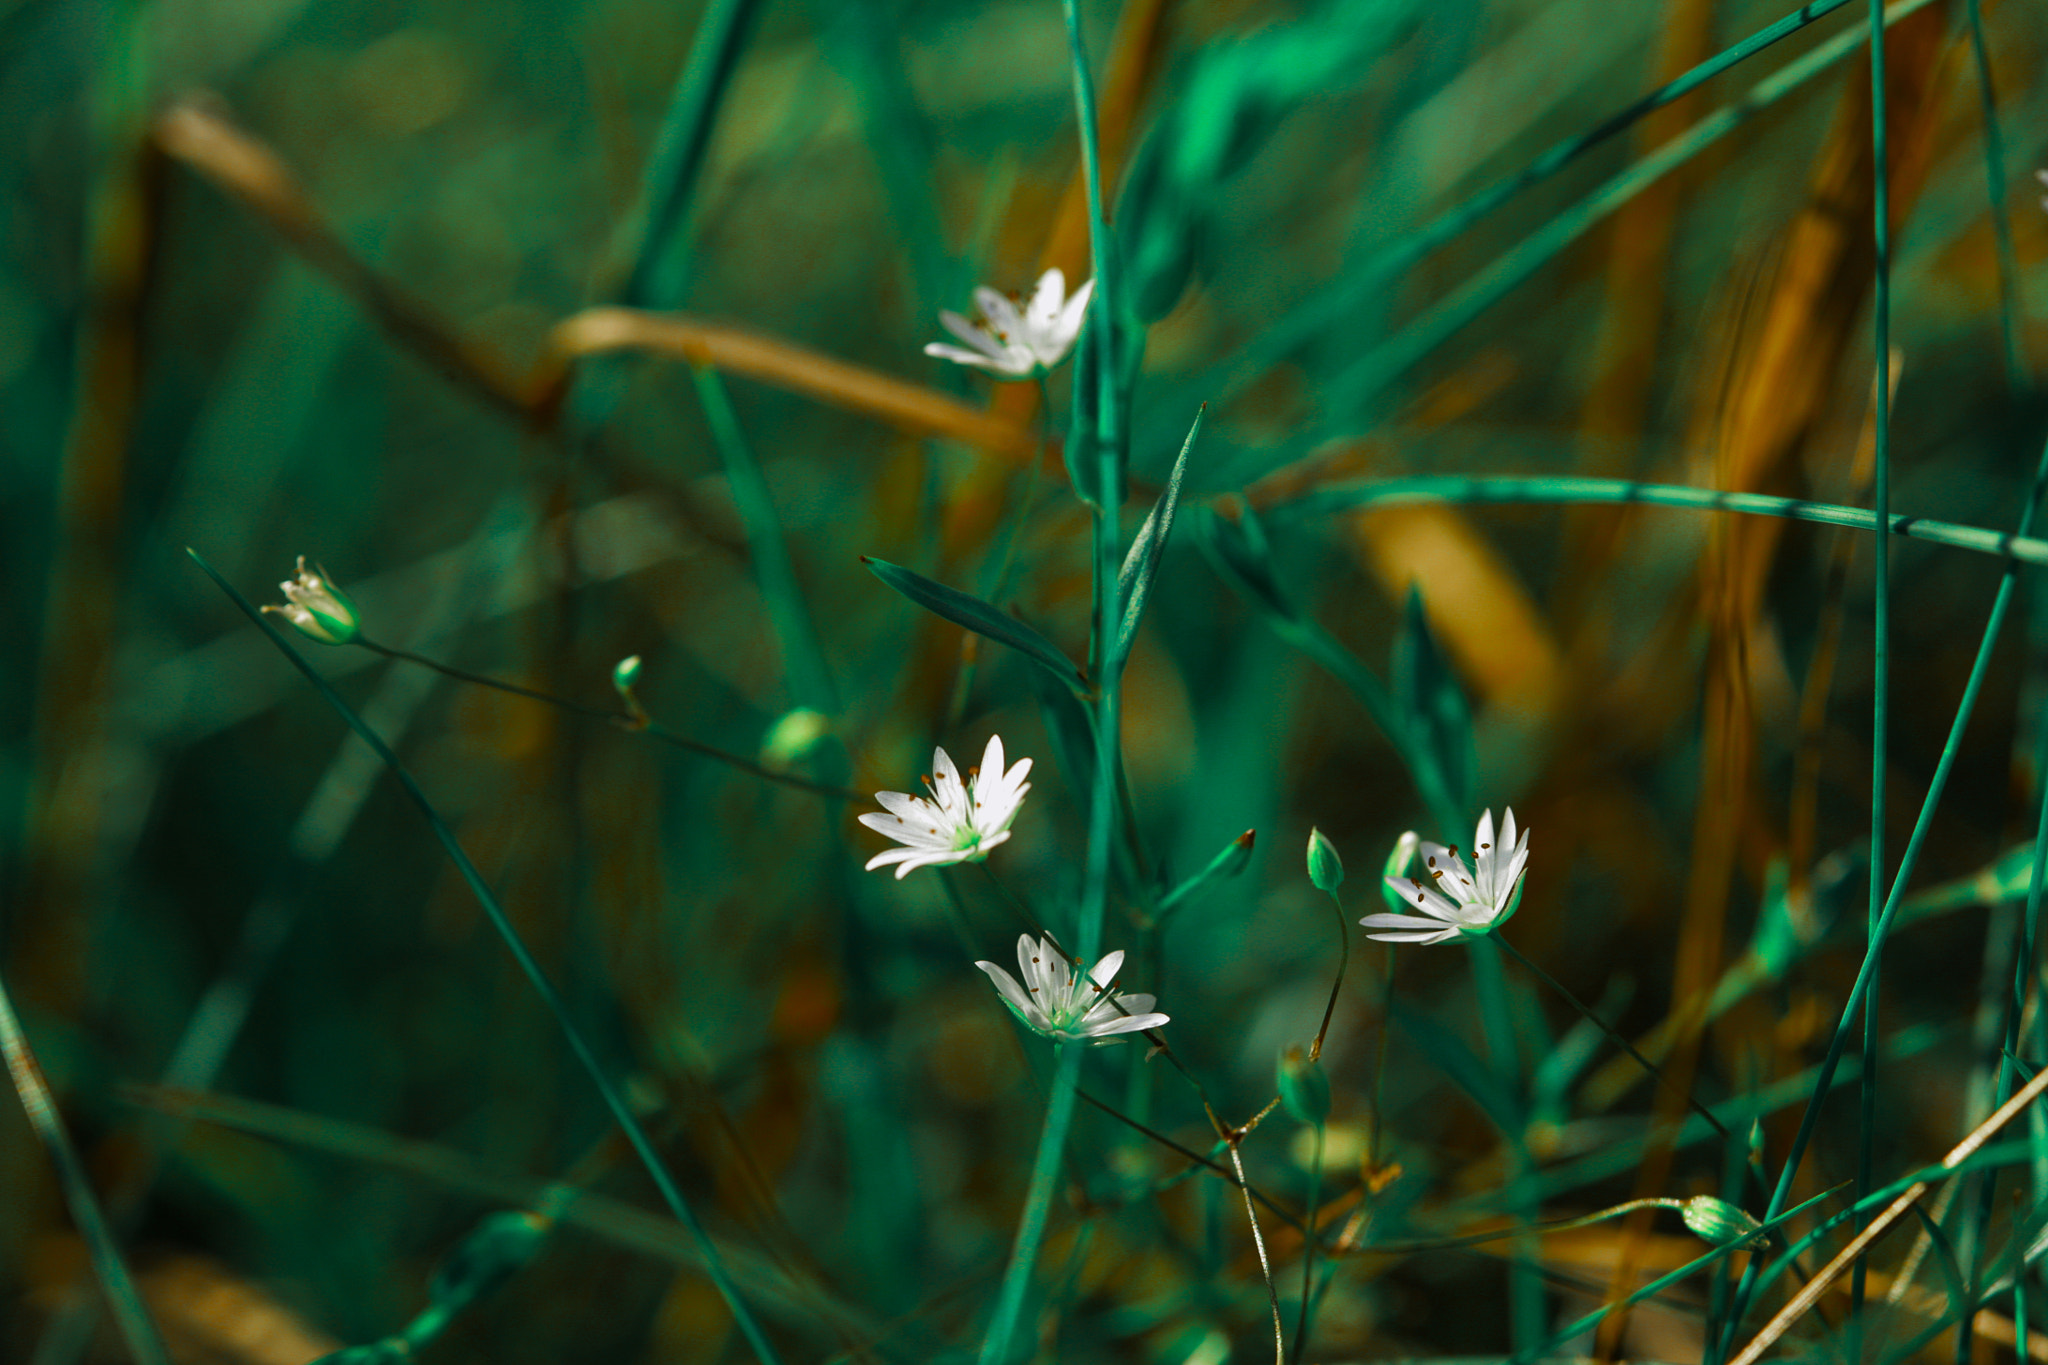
x,y
1014,345
961,822
1456,899
316,608
1066,1005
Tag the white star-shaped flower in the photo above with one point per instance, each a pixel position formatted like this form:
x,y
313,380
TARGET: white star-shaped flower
x,y
1068,1005
1018,345
960,822
1457,900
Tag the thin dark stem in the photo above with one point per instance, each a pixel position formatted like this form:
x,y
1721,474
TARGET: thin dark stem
x,y
632,721
1614,1037
1315,1050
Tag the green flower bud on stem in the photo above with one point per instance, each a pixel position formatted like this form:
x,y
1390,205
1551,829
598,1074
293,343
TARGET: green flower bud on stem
x,y
1304,1089
1325,868
1717,1221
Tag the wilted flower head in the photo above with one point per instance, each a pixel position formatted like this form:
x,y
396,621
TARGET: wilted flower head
x,y
1018,345
960,822
1455,899
1069,1005
316,608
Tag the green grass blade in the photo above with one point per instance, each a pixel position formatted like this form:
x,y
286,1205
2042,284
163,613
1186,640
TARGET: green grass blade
x,y
653,246
1332,308
810,676
1567,492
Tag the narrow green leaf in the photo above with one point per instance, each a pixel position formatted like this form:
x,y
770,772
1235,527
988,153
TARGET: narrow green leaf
x,y
970,612
1134,583
1238,548
1438,716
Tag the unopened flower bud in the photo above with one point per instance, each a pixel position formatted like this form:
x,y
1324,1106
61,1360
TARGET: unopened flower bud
x,y
316,608
790,740
1325,868
1717,1221
1304,1089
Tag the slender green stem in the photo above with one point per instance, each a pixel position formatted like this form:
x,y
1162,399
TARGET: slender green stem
x,y
1569,492
636,722
614,1098
138,1329
1309,1242
810,677
1045,1170
1881,646
995,1346
655,275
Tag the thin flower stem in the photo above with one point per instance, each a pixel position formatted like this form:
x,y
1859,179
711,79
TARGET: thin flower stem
x,y
1379,1065
1213,1167
1265,1266
613,1096
1309,1241
1612,1035
1045,1169
1315,1050
1024,912
634,721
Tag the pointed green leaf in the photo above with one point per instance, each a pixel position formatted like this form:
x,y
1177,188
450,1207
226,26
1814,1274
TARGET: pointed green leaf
x,y
1134,581
966,610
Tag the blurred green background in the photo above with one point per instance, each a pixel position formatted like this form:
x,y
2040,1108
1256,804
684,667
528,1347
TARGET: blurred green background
x,y
343,281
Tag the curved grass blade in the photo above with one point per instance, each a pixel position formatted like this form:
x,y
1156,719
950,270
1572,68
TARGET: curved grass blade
x,y
614,1098
1567,492
970,612
1134,582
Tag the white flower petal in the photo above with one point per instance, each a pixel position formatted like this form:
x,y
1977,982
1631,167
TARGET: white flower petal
x,y
1043,312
